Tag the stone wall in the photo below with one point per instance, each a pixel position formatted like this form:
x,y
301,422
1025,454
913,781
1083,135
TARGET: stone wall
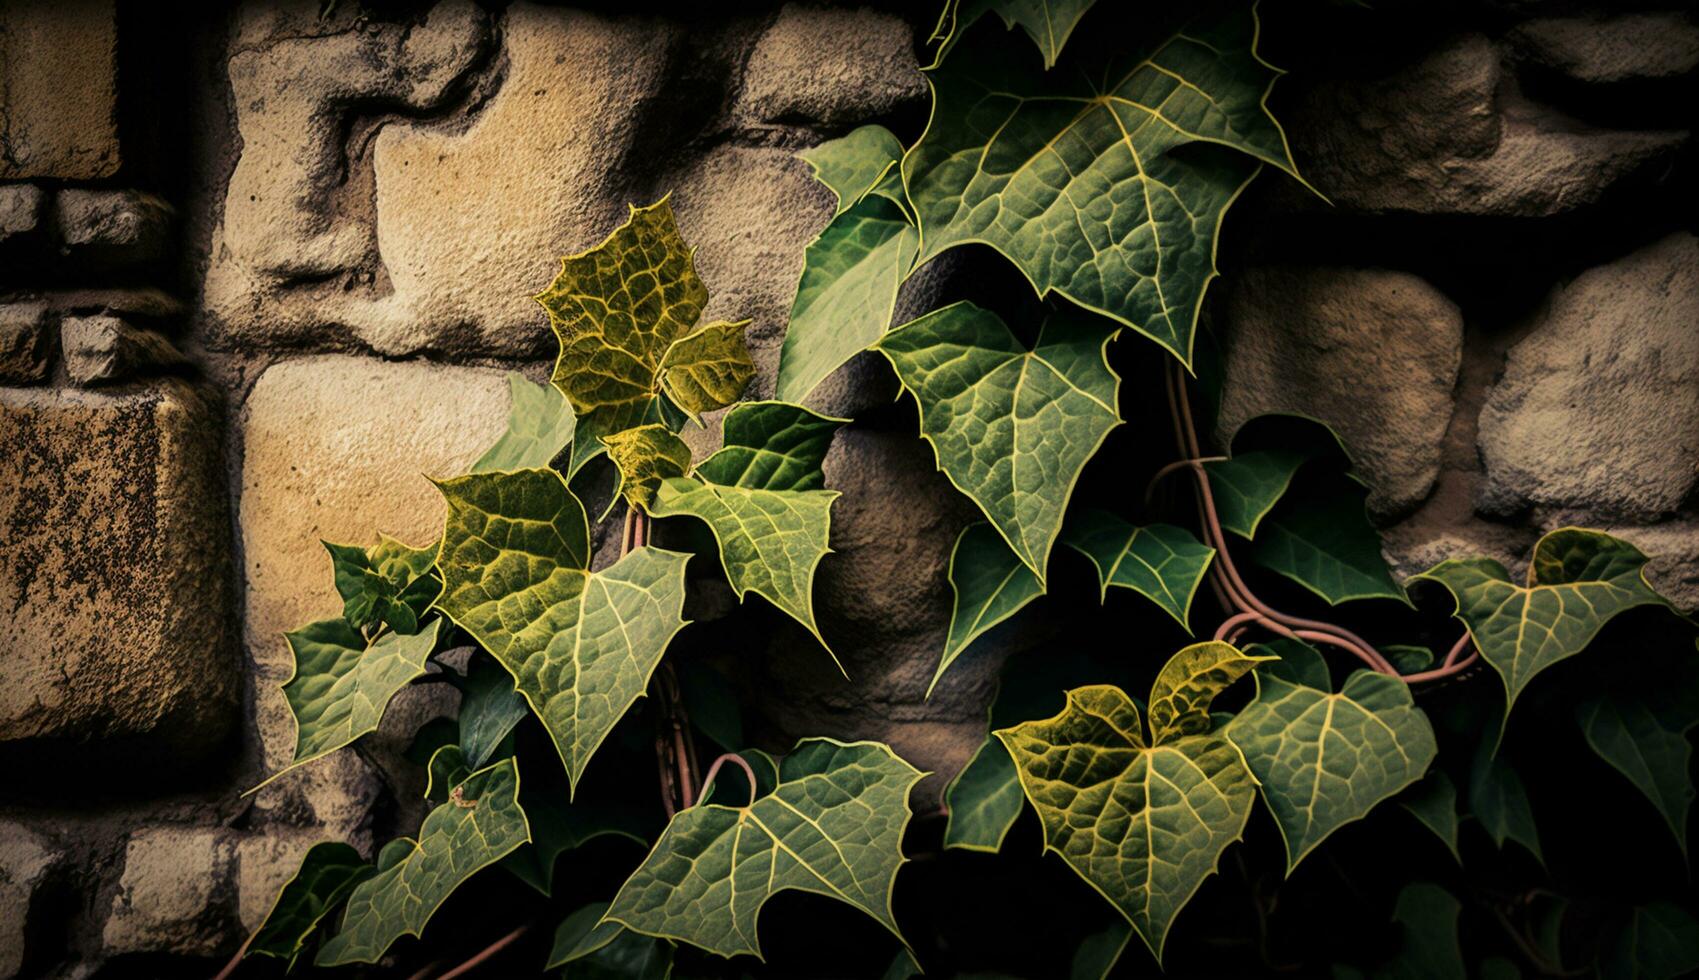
x,y
261,271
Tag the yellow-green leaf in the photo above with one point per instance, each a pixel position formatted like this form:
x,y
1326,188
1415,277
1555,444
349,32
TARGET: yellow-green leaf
x,y
853,164
833,826
389,584
1188,683
644,457
708,368
540,424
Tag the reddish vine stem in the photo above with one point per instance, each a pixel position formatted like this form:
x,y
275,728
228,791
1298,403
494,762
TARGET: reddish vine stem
x,y
236,961
487,952
714,770
675,751
1244,608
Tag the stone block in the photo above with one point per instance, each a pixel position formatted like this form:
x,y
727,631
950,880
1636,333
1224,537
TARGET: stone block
x,y
264,864
101,349
1598,409
114,576
58,90
105,229
169,898
25,343
21,207
1603,50
1371,352
26,860
831,66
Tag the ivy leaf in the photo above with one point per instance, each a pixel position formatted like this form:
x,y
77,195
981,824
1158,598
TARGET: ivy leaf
x,y
1659,941
1047,22
1072,174
990,584
1325,543
1427,916
1099,953
557,828
618,310
1577,582
1643,735
1247,486
446,769
1161,562
391,583
328,872
1188,683
580,645
593,949
833,827
983,800
342,683
1011,428
847,294
474,830
490,707
539,425
1143,824
1326,759
853,164
1433,801
762,500
645,456
1298,663
1500,802
707,369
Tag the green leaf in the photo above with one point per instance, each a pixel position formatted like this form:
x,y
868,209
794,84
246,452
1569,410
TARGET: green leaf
x,y
1247,486
852,165
708,368
446,769
1073,173
539,425
328,872
1188,683
983,800
1047,22
1433,801
390,583
1011,428
1161,562
644,457
759,496
1298,663
847,293
1407,658
592,949
989,583
1099,953
557,828
1577,582
1499,801
1427,915
1659,941
1143,825
342,683
1325,543
490,707
1325,759
457,839
833,827
580,645
1643,735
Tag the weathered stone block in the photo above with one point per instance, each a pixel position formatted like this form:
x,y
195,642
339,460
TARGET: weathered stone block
x,y
833,66
102,349
20,212
58,90
1446,135
26,859
1598,409
25,342
1371,352
1603,50
112,228
337,449
264,864
1674,550
166,897
115,573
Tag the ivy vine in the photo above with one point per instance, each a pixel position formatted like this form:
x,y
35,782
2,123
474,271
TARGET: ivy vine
x,y
1100,166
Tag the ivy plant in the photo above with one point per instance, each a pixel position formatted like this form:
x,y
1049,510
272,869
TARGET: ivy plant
x,y
1096,154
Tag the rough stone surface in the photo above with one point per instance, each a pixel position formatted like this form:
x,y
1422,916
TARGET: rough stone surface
x,y
338,448
1448,135
25,341
1602,50
58,90
1598,410
1371,352
264,864
102,349
1674,550
26,859
115,569
21,207
112,228
831,66
166,897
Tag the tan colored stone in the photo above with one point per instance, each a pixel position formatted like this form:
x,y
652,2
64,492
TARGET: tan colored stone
x,y
832,66
58,90
26,859
105,229
1603,50
115,570
21,207
102,349
264,864
24,343
166,897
